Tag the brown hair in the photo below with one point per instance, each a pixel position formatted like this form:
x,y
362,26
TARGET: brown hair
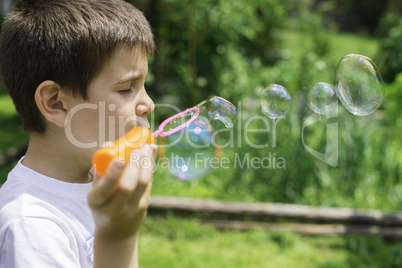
x,y
67,41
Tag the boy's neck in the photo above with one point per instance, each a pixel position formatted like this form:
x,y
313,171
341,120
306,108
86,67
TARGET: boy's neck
x,y
56,158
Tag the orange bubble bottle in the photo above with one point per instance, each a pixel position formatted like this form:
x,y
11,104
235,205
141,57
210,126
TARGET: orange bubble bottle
x,y
122,148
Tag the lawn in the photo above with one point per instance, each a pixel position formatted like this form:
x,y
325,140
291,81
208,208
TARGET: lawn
x,y
177,242
339,45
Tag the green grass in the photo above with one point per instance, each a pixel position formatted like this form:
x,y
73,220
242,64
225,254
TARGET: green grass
x,y
175,242
339,44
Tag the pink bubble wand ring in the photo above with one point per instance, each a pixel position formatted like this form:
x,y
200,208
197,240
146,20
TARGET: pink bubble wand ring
x,y
162,133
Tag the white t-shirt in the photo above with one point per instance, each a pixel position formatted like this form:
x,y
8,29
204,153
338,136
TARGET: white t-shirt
x,y
44,222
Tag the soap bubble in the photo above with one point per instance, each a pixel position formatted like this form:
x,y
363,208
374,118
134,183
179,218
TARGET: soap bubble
x,y
359,85
320,96
275,101
188,152
217,108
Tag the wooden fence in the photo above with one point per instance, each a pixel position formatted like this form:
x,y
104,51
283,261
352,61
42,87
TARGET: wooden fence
x,y
306,220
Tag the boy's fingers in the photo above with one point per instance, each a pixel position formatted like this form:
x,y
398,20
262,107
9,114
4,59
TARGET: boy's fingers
x,y
129,179
133,181
103,188
146,173
141,198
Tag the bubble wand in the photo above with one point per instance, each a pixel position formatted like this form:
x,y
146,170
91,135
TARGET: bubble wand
x,y
162,133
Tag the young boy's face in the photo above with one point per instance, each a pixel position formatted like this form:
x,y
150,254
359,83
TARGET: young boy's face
x,y
117,101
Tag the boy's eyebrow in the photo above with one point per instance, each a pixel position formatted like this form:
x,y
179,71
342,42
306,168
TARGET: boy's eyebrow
x,y
131,78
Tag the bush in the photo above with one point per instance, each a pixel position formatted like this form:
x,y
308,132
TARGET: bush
x,y
389,56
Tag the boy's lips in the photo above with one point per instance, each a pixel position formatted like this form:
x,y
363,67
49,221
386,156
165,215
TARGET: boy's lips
x,y
146,124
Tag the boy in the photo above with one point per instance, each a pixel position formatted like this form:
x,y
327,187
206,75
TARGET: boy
x,y
75,70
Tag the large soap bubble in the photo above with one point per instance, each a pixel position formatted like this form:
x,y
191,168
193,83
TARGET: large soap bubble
x,y
359,85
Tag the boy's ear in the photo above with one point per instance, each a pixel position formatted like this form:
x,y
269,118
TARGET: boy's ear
x,y
48,98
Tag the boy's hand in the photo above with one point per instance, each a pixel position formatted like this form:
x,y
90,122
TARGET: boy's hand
x,y
119,200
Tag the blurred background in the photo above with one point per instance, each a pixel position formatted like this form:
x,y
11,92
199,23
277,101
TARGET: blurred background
x,y
234,49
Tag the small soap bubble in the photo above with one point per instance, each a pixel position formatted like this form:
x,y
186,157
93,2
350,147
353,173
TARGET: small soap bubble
x,y
217,108
359,85
275,101
188,152
320,96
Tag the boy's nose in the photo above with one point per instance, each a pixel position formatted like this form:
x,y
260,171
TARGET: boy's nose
x,y
145,106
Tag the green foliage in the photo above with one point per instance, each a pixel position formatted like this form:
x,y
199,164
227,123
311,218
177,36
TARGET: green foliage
x,y
212,47
368,12
390,53
11,132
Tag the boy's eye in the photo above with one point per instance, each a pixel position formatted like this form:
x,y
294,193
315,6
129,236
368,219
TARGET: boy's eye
x,y
125,91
